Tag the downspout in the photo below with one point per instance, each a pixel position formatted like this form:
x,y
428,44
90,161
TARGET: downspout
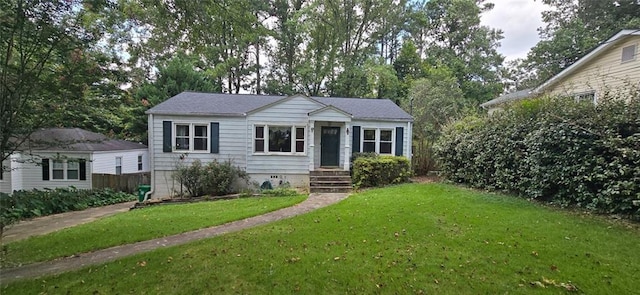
x,y
150,148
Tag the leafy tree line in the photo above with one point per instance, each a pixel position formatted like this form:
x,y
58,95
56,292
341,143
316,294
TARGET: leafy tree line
x,y
100,64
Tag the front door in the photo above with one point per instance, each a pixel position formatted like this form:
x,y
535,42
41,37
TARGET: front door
x,y
330,146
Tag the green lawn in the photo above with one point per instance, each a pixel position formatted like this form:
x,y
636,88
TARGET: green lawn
x,y
416,238
139,225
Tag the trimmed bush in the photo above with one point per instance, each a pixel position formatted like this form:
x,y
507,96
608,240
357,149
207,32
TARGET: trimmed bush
x,y
33,203
379,171
553,150
215,178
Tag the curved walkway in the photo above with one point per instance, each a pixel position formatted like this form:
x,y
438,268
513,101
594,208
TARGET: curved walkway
x,y
313,202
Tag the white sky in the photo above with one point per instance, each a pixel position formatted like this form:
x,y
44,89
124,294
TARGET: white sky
x,y
519,21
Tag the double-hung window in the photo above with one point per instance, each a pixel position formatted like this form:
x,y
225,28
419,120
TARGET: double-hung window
x,y
64,170
191,137
139,162
118,165
378,141
279,139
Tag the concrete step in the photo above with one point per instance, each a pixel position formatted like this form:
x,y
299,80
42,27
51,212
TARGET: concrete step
x,y
330,189
330,173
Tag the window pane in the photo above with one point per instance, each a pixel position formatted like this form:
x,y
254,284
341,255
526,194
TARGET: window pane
x,y
118,161
182,130
300,146
385,135
369,135
385,147
119,170
259,145
259,132
369,147
201,131
299,133
200,144
182,143
280,139
58,174
72,174
58,165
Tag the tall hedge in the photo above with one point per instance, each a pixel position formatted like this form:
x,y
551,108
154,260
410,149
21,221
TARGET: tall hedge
x,y
378,171
554,150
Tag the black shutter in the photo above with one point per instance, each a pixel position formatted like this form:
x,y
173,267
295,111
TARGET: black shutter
x,y
215,137
45,169
83,169
355,142
166,136
399,140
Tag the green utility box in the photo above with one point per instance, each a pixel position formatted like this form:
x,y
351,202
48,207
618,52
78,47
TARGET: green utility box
x,y
143,189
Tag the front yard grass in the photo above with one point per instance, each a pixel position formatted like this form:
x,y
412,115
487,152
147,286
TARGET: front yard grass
x,y
138,225
408,239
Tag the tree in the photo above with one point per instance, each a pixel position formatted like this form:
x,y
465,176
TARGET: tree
x,y
573,28
175,76
459,42
48,64
435,101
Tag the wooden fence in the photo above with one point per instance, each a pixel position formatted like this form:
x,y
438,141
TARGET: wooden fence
x,y
125,182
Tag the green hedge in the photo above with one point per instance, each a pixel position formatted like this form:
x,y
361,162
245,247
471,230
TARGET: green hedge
x,y
554,150
28,204
375,171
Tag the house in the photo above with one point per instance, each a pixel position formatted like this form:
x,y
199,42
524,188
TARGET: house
x,y
63,157
280,139
612,68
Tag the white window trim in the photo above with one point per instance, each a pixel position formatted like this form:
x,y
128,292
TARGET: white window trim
x,y
65,171
634,56
191,137
378,139
266,139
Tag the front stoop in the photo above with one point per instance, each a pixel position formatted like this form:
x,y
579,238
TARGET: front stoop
x,y
330,181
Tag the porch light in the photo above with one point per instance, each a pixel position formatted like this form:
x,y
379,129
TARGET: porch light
x,y
347,130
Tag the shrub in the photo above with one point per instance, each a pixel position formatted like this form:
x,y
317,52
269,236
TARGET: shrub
x,y
554,150
215,178
380,171
33,203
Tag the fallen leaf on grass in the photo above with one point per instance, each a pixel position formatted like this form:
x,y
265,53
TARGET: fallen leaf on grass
x,y
142,263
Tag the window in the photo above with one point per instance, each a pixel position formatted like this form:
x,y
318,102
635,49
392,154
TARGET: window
x,y
118,165
279,139
139,162
377,141
259,141
586,97
57,169
191,137
65,170
72,170
385,141
629,53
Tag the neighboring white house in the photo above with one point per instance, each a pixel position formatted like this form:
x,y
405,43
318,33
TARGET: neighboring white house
x,y
62,157
612,68
274,138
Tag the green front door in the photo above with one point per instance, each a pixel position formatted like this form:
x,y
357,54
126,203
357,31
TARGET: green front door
x,y
330,146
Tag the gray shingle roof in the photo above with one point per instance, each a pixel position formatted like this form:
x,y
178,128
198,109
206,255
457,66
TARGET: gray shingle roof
x,y
76,139
196,103
518,95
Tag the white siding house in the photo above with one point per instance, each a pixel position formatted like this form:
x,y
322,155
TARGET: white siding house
x,y
274,138
612,69
63,157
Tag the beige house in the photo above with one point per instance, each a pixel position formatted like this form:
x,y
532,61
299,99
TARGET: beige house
x,y
612,68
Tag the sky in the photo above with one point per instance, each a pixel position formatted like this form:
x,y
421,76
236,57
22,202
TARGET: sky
x,y
519,21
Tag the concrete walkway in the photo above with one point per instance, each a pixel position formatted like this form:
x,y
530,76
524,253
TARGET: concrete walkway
x,y
35,270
